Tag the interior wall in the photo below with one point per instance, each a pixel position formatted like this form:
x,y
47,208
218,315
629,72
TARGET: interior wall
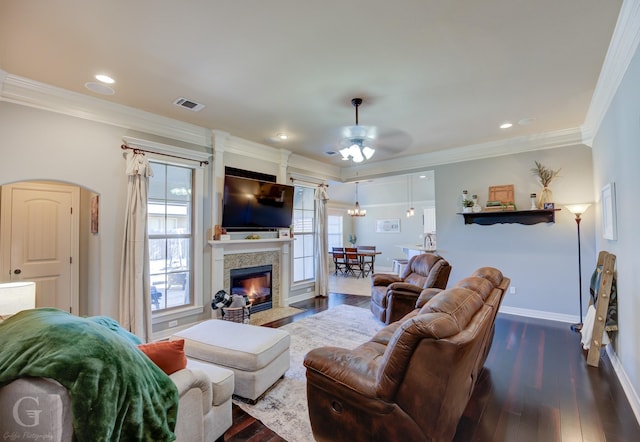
x,y
541,259
384,198
44,145
616,157
37,145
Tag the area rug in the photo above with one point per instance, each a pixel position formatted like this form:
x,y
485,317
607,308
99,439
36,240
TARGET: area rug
x,y
283,409
273,314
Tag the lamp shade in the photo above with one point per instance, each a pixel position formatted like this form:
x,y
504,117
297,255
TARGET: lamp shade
x,y
16,296
578,209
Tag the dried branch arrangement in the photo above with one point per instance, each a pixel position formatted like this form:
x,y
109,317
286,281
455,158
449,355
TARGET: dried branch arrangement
x,y
545,175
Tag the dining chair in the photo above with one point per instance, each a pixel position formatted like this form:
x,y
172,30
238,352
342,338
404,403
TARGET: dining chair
x,y
339,260
367,262
353,261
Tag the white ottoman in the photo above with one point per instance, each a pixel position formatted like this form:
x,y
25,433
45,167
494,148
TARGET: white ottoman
x,y
258,356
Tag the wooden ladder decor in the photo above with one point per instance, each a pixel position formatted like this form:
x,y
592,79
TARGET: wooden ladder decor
x,y
606,262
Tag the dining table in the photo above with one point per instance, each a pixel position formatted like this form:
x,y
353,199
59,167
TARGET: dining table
x,y
361,254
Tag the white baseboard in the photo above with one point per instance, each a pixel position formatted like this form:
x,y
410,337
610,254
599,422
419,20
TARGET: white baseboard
x,y
538,314
625,382
300,297
631,393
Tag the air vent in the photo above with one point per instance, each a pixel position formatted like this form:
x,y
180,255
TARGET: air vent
x,y
189,104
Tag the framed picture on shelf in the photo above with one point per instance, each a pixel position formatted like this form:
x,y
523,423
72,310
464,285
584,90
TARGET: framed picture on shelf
x,y
609,212
284,233
388,225
549,206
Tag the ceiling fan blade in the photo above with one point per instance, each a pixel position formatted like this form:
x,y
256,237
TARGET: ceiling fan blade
x,y
394,141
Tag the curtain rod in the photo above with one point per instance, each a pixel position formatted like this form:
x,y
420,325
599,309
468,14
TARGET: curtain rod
x,y
292,179
142,151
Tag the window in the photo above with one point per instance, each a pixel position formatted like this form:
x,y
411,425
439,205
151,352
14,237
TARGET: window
x,y
170,219
334,231
303,230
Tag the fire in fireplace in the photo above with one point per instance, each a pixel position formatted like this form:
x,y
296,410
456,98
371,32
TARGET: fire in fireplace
x,y
255,282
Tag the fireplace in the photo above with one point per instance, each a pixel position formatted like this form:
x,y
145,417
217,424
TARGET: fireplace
x,y
256,283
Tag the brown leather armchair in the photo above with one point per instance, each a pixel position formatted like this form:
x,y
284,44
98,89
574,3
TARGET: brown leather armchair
x,y
394,296
412,381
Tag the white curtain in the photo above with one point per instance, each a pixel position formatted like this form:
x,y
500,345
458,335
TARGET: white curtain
x,y
135,305
320,242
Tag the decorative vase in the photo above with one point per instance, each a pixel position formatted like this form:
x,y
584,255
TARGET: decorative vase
x,y
546,196
476,207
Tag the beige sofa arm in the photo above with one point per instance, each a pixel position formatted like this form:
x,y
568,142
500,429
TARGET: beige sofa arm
x,y
187,379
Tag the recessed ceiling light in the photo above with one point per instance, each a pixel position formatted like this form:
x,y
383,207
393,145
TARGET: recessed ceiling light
x,y
105,79
282,136
99,88
506,125
423,176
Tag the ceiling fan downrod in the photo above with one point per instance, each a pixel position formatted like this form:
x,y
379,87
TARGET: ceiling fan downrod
x,y
356,102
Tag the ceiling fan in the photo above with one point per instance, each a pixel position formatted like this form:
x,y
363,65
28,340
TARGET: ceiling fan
x,y
359,143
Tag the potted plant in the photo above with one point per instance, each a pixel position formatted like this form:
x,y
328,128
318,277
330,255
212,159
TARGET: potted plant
x,y
545,176
352,240
467,206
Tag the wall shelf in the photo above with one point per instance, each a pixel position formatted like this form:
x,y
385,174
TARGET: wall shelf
x,y
527,217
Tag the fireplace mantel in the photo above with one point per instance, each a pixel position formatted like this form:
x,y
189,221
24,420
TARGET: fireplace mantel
x,y
223,244
253,248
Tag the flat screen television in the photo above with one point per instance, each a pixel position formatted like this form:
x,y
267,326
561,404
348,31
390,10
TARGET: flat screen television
x,y
249,204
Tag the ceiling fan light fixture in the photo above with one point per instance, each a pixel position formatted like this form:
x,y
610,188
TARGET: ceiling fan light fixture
x,y
357,151
368,152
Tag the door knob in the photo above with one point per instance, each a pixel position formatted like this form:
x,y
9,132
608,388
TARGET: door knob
x,y
17,271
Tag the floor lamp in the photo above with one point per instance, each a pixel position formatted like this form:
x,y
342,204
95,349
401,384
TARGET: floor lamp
x,y
577,210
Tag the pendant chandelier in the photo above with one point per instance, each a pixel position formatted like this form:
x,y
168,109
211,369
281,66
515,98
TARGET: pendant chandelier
x,y
410,211
357,211
358,150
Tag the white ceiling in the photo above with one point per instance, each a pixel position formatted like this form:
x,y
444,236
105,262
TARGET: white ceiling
x,y
436,74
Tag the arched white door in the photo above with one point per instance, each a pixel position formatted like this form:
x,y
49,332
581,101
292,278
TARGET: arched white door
x,y
40,227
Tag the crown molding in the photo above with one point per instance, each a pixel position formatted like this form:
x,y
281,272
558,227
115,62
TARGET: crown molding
x,y
416,163
314,169
622,48
240,146
38,95
166,149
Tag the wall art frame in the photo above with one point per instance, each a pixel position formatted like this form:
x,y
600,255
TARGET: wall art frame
x,y
389,225
609,216
95,213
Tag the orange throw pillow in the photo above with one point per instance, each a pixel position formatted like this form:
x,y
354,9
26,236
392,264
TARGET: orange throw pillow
x,y
168,355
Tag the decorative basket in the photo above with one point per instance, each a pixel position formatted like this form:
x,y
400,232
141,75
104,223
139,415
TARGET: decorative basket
x,y
237,314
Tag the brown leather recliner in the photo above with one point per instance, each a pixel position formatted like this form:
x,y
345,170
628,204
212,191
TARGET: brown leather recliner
x,y
412,381
394,296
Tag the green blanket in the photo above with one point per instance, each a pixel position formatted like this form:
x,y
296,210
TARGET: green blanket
x,y
117,393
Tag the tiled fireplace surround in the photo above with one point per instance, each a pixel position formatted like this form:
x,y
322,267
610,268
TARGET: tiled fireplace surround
x,y
235,254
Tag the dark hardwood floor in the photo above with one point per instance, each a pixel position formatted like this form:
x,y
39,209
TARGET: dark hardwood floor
x,y
536,386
